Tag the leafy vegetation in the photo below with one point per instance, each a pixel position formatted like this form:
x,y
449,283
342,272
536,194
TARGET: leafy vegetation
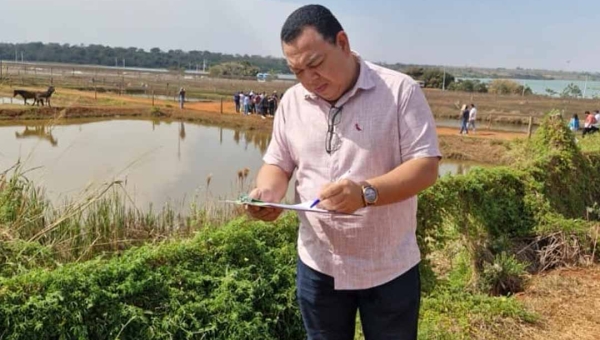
x,y
469,85
134,57
431,77
234,69
505,86
571,91
481,235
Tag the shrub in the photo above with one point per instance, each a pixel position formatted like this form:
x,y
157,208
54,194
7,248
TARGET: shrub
x,y
505,86
505,275
234,282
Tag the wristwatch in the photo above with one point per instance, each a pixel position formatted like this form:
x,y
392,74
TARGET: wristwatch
x,y
370,195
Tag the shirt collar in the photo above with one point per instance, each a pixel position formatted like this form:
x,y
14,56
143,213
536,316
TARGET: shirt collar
x,y
364,82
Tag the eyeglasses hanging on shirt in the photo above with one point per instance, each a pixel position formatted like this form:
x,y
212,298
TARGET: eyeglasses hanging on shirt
x,y
332,139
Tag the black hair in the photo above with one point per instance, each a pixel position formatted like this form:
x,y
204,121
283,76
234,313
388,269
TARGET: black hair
x,y
316,16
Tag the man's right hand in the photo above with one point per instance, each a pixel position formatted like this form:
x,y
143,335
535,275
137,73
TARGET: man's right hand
x,y
267,214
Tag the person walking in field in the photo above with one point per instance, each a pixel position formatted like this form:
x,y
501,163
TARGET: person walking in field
x,y
464,119
472,118
236,100
574,123
589,126
247,100
181,97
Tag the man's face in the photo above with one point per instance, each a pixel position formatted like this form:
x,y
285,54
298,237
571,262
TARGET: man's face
x,y
323,68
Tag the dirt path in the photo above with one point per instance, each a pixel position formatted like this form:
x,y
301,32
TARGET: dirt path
x,y
194,110
568,301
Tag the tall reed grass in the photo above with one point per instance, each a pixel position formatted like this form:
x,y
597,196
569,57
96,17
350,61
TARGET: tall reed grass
x,y
102,220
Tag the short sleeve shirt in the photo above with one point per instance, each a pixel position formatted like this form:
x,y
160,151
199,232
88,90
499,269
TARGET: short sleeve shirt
x,y
385,121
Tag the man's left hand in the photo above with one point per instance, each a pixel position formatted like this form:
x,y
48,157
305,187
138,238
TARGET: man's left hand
x,y
344,196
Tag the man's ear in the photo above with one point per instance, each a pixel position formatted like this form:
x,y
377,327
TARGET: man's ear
x,y
342,41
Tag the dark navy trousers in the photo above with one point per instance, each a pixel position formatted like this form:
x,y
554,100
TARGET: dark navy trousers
x,y
389,311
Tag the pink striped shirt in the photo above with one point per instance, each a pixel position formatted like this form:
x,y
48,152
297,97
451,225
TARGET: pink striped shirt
x,y
385,121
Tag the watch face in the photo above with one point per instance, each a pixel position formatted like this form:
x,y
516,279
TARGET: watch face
x,y
370,195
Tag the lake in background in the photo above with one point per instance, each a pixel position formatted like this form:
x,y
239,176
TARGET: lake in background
x,y
156,161
592,88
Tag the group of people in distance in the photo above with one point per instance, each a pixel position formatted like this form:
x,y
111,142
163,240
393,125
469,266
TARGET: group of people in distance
x,y
259,103
468,117
590,125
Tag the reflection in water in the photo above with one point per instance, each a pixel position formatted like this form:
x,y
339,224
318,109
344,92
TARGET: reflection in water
x,y
257,139
181,131
168,161
172,162
38,131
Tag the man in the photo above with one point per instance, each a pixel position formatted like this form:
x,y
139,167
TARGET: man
x,y
464,119
472,118
589,125
236,100
362,140
181,97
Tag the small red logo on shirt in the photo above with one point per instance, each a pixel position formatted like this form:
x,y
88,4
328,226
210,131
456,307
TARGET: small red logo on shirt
x,y
357,127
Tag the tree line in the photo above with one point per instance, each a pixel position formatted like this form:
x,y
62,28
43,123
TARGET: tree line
x,y
133,57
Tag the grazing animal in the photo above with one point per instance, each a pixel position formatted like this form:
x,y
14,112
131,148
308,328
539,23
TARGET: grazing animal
x,y
40,96
25,94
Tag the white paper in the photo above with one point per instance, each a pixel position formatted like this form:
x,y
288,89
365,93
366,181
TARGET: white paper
x,y
304,206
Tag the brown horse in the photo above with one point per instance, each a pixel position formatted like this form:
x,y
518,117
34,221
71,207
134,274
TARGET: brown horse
x,y
40,96
25,94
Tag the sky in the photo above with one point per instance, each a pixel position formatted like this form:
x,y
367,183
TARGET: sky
x,y
540,34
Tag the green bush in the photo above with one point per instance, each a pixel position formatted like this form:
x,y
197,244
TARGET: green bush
x,y
468,85
434,78
234,282
18,257
505,275
493,210
505,86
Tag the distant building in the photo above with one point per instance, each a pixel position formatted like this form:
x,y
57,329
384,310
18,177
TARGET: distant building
x,y
263,77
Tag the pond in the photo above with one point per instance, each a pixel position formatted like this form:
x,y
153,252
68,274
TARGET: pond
x,y
11,100
156,161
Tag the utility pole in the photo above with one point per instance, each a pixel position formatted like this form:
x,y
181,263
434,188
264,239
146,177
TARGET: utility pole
x,y
16,56
21,56
444,80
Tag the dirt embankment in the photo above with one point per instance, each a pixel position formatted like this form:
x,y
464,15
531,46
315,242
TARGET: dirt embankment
x,y
484,146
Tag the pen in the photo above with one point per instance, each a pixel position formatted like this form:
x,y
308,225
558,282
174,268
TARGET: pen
x,y
317,201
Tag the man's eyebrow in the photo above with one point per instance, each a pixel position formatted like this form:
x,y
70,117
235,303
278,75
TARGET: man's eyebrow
x,y
311,60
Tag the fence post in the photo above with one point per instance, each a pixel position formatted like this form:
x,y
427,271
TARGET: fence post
x,y
95,92
221,105
530,128
152,97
